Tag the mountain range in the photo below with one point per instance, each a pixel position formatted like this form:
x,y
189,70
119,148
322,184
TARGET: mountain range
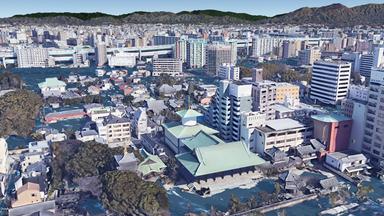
x,y
336,15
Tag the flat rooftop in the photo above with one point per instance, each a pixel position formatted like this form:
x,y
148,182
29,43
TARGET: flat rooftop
x,y
281,125
331,118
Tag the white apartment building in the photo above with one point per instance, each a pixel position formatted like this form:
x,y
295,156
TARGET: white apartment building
x,y
196,53
263,45
282,134
229,72
330,81
373,141
230,101
32,57
170,66
114,131
249,122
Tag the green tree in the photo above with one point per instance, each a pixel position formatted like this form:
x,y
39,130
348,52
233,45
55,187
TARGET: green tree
x,y
125,193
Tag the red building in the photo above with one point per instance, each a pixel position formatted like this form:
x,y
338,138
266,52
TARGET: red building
x,y
333,130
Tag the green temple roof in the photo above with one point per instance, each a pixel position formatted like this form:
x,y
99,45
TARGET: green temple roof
x,y
218,158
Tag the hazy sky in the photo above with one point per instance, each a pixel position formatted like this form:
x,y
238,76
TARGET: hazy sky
x,y
257,7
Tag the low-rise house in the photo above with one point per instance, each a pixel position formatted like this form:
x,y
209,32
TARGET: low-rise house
x,y
30,158
38,146
307,152
93,90
156,106
275,155
329,184
290,182
86,135
351,164
27,194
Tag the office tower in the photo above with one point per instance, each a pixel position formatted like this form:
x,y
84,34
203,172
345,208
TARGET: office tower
x,y
101,54
164,40
373,141
229,72
196,49
217,54
366,64
180,50
170,66
32,57
230,101
263,45
264,97
257,75
330,81
309,56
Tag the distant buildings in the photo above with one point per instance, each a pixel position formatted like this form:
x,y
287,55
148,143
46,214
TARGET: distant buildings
x,y
122,60
196,53
330,81
101,54
32,57
229,72
218,54
170,66
309,56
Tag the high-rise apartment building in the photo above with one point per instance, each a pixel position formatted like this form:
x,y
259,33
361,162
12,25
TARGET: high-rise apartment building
x,y
230,101
180,50
32,57
196,53
264,97
373,141
170,66
330,81
101,54
217,54
164,40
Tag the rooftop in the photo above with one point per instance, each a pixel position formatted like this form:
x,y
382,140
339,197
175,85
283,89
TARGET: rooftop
x,y
218,158
183,131
331,118
190,113
283,124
